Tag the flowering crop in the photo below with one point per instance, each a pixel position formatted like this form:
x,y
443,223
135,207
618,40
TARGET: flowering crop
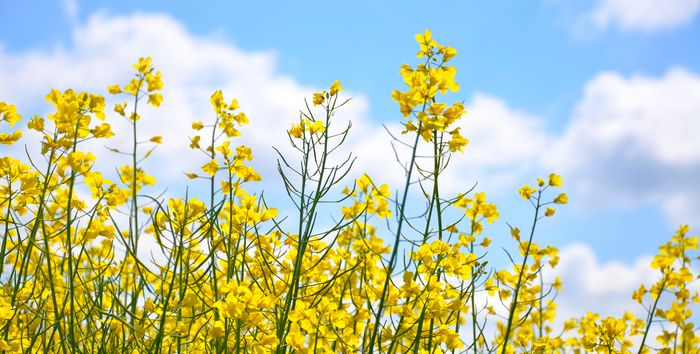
x,y
238,280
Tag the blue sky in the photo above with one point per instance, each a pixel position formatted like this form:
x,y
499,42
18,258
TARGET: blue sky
x,y
602,92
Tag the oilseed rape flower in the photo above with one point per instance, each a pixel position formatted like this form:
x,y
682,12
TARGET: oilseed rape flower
x,y
526,192
315,127
319,98
114,89
425,43
155,99
335,88
133,87
9,113
211,167
232,274
143,65
555,180
561,199
9,139
296,131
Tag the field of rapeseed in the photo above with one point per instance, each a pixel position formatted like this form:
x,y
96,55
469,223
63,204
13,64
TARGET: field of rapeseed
x,y
237,280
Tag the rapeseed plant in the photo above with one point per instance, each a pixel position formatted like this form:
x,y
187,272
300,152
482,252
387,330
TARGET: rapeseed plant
x,y
237,280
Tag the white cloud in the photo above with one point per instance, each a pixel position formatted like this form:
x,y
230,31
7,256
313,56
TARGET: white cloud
x,y
633,141
606,288
71,9
503,144
102,54
193,67
645,15
586,18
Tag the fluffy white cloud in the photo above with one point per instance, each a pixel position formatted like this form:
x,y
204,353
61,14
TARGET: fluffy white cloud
x,y
589,285
633,141
503,144
71,8
193,67
646,15
606,288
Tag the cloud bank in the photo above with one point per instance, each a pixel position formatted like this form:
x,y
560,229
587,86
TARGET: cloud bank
x,y
631,141
643,15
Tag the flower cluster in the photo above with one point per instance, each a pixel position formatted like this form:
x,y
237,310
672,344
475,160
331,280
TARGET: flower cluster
x,y
232,276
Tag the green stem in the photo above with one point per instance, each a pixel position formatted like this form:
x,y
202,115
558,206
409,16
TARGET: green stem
x,y
520,278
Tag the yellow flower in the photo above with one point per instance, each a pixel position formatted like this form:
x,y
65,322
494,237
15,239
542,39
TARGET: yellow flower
x,y
436,108
268,340
465,240
244,153
224,148
316,127
114,89
218,330
217,100
557,284
490,308
589,342
149,305
295,338
448,53
155,99
102,131
194,142
561,199
7,139
119,109
555,180
336,88
318,98
409,127
295,131
425,43
143,65
486,242
133,86
197,126
549,212
211,167
36,123
515,232
526,192
639,294
154,82
157,139
191,175
269,214
522,340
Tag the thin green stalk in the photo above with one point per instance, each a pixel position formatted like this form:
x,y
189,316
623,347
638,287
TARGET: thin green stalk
x,y
394,253
520,278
